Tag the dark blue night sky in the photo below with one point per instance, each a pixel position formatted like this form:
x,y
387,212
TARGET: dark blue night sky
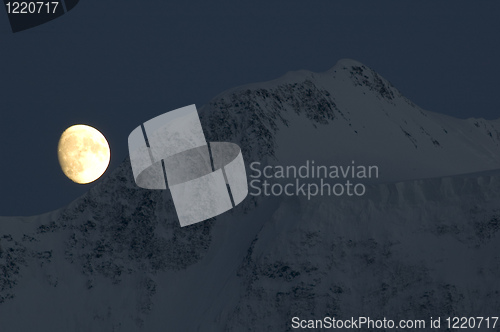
x,y
114,64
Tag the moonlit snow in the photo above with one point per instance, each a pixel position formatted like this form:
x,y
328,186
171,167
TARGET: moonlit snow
x,y
423,241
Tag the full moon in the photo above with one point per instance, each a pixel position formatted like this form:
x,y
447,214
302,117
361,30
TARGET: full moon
x,y
83,153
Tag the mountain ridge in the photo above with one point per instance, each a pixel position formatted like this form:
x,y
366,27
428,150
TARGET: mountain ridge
x,y
374,121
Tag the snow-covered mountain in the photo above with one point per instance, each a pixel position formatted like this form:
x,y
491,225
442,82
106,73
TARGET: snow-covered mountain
x,y
422,242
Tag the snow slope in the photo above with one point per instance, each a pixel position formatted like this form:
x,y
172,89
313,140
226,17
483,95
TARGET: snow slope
x,y
422,242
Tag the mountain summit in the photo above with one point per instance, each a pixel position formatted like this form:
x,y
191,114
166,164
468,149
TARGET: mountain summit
x,y
116,258
351,113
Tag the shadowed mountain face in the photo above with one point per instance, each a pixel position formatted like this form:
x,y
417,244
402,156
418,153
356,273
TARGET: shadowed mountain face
x,y
116,259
